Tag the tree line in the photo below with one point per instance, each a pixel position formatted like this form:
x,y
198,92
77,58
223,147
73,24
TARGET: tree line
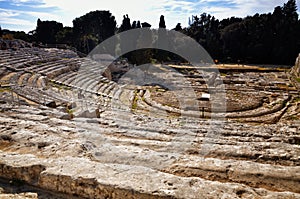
x,y
270,38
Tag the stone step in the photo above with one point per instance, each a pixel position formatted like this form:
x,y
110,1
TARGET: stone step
x,y
32,81
103,87
47,67
62,77
81,79
60,175
70,81
93,85
23,79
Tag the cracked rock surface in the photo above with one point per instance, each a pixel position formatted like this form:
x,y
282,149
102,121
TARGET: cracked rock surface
x,y
66,133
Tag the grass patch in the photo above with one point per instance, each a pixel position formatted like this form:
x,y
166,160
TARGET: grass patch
x,y
296,99
69,111
297,79
59,86
135,99
292,117
284,103
5,89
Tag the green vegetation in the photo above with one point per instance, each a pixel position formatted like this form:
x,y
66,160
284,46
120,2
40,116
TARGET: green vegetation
x,y
7,34
93,28
59,86
46,31
5,89
134,101
169,105
296,99
69,111
293,117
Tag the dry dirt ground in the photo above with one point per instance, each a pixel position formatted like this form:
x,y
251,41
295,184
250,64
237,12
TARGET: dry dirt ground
x,y
68,131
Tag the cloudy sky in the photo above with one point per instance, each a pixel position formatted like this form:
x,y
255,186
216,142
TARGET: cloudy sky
x,y
23,14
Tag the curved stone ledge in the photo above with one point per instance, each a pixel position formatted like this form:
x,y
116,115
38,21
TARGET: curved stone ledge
x,y
88,179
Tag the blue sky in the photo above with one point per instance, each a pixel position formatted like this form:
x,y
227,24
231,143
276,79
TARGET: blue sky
x,y
23,14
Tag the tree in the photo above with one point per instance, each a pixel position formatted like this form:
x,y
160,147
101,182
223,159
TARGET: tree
x,y
93,28
290,11
143,56
162,23
178,27
271,38
136,24
65,36
46,31
125,24
288,45
133,25
146,25
1,33
232,38
21,35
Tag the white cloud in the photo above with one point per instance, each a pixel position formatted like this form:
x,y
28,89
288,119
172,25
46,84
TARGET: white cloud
x,y
136,9
150,10
245,8
13,21
146,10
43,15
7,13
7,17
22,20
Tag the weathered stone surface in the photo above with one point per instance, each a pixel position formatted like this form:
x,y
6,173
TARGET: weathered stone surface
x,y
110,162
142,141
19,196
88,114
96,180
296,69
